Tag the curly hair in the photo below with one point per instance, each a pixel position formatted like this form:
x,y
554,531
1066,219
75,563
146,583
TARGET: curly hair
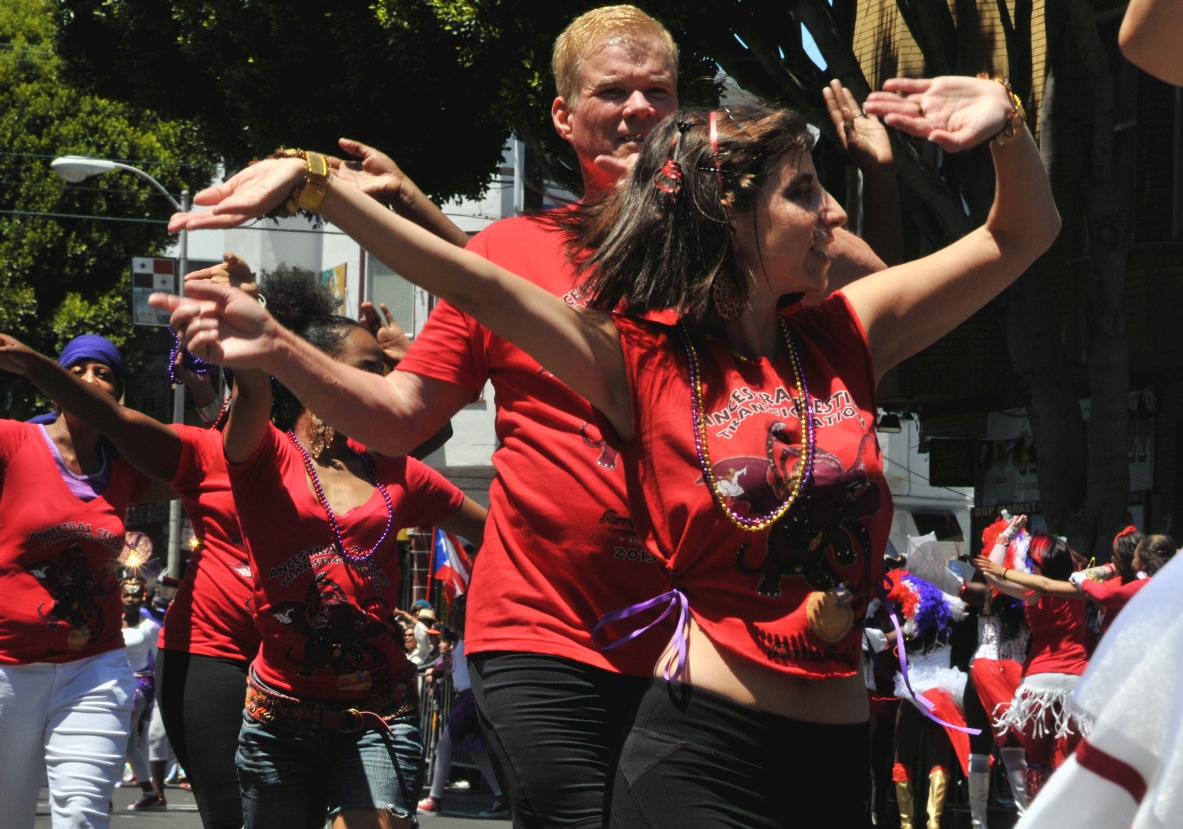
x,y
304,305
654,249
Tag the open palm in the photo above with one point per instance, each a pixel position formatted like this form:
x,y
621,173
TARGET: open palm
x,y
953,112
248,194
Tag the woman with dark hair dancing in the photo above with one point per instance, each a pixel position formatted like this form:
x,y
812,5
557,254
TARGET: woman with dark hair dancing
x,y
771,564
1041,710
331,720
66,689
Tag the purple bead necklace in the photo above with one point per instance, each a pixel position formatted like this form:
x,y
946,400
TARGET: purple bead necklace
x,y
324,502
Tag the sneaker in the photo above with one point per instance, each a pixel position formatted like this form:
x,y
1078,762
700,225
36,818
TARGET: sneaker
x,y
499,808
430,806
150,802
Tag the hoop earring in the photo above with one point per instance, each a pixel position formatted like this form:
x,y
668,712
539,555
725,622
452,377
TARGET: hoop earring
x,y
727,297
322,435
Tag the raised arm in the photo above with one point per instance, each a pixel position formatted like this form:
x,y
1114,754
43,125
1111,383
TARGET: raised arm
x,y
250,415
909,307
1150,36
1028,581
468,521
581,348
149,445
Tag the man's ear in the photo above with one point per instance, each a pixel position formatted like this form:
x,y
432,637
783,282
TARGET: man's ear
x,y
561,114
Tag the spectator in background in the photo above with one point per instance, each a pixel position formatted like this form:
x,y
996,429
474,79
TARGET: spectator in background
x,y
462,732
423,618
140,632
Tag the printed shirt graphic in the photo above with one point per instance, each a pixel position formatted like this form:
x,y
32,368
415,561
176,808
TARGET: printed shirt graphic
x,y
211,614
324,622
791,597
59,597
560,550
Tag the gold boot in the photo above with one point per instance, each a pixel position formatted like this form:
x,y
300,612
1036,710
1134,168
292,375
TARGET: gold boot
x,y
938,787
903,797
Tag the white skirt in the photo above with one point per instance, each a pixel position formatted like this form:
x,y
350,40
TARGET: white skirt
x,y
1044,697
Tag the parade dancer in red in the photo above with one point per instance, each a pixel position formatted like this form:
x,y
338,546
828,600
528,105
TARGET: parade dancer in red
x,y
1041,710
331,721
66,689
776,556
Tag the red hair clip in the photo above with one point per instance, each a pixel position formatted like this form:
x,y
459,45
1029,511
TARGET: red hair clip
x,y
669,177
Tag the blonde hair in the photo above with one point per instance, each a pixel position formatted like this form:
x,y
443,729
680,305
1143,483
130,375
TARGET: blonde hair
x,y
590,28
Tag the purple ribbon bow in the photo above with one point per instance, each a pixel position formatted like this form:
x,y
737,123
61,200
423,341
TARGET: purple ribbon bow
x,y
672,598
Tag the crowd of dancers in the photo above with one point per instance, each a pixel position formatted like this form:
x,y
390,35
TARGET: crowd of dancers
x,y
680,610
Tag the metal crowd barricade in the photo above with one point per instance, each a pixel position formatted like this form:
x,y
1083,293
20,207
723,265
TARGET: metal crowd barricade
x,y
435,707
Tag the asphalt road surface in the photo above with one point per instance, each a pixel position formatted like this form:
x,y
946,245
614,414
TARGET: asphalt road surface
x,y
460,812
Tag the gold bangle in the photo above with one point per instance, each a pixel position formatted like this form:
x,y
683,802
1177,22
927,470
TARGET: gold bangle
x,y
308,195
1018,115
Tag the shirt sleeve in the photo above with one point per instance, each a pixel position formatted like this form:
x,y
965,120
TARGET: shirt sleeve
x,y
194,460
452,346
431,496
260,470
12,436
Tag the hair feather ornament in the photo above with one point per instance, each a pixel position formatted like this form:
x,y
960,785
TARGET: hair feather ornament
x,y
924,606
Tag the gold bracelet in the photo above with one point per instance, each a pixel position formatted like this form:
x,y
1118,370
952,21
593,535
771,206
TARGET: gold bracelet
x,y
1018,116
308,195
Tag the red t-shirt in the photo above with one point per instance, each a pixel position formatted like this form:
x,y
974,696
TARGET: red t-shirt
x,y
763,595
1057,637
559,549
59,596
324,622
211,614
1112,595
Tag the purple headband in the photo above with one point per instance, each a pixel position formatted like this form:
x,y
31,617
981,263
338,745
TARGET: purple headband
x,y
93,347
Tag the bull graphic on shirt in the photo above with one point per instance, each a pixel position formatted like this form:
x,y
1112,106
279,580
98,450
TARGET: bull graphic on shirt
x,y
77,596
822,538
338,635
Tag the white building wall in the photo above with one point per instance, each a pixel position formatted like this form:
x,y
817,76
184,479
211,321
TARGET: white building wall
x,y
906,471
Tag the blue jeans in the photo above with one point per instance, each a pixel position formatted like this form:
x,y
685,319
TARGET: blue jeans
x,y
290,781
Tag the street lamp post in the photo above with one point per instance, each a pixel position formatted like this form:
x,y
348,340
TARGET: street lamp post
x,y
75,169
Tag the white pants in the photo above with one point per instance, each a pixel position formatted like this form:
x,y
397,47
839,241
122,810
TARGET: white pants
x,y
69,722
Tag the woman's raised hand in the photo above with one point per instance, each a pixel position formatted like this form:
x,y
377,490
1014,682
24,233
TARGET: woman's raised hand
x,y
221,324
246,195
233,271
953,112
15,356
989,567
391,338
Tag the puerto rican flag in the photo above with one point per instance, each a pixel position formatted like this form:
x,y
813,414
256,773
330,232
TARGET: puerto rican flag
x,y
450,564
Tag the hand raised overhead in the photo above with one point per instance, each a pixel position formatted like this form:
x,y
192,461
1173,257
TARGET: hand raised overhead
x,y
953,112
221,324
372,171
391,338
248,194
232,271
862,135
15,356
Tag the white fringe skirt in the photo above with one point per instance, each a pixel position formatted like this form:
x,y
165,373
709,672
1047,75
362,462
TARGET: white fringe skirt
x,y
1043,707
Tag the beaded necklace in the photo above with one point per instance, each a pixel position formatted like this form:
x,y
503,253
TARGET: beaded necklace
x,y
808,436
324,502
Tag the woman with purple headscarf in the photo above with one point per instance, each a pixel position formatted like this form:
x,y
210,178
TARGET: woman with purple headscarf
x,y
66,688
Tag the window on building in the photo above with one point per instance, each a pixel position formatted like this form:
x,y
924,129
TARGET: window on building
x,y
944,524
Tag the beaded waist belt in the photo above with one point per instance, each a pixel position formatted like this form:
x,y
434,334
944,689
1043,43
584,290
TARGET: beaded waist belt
x,y
306,717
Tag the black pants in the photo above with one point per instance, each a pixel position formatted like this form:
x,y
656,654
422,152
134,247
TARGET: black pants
x,y
695,759
553,727
201,702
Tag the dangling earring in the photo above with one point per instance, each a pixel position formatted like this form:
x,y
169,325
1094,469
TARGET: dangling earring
x,y
727,297
322,435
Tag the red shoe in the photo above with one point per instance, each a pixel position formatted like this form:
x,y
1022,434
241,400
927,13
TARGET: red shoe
x,y
150,802
430,806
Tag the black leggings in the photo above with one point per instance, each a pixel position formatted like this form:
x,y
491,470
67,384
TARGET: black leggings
x,y
553,727
696,759
913,728
201,702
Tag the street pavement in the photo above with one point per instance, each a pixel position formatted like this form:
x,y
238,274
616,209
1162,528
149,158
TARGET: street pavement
x,y
460,812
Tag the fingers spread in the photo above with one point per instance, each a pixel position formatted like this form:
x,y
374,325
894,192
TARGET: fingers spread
x,y
165,302
389,316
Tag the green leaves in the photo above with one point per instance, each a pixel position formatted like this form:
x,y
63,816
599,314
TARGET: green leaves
x,y
60,275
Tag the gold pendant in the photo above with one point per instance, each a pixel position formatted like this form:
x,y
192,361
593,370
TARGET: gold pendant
x,y
77,638
830,617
